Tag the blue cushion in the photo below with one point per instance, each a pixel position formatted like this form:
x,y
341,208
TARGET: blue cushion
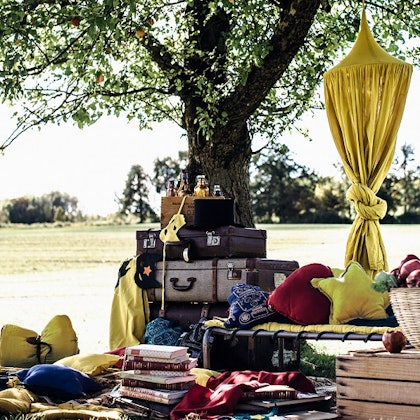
x,y
56,381
248,307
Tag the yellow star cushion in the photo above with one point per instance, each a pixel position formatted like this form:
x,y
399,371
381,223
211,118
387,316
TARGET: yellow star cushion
x,y
351,296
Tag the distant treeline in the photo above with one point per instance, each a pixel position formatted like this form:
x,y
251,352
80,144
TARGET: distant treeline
x,y
282,191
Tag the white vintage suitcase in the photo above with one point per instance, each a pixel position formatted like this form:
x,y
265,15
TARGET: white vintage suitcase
x,y
211,280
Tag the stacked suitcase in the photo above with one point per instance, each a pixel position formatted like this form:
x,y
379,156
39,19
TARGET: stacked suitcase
x,y
201,268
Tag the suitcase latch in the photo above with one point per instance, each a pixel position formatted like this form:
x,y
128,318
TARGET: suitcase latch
x,y
279,278
233,274
212,239
149,242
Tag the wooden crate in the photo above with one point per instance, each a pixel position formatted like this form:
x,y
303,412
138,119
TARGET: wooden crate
x,y
170,206
375,384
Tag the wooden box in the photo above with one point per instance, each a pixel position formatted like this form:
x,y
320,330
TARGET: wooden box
x,y
170,206
375,384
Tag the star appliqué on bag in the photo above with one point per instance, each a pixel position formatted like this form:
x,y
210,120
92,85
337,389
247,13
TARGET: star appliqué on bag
x,y
147,270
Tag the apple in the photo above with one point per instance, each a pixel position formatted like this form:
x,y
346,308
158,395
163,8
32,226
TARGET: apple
x,y
408,267
150,21
75,21
413,279
408,258
100,78
394,341
140,33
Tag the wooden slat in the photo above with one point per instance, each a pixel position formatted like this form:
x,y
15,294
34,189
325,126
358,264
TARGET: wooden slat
x,y
398,392
361,410
403,366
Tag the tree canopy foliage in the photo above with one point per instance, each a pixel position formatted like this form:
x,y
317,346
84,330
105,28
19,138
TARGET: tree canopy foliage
x,y
225,71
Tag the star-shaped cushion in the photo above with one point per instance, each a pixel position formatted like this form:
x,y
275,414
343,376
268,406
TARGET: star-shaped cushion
x,y
351,295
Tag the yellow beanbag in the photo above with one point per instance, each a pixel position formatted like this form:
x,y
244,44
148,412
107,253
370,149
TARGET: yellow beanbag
x,y
15,348
16,400
21,347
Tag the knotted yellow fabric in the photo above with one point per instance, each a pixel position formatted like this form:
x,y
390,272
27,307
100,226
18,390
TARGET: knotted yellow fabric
x,y
365,97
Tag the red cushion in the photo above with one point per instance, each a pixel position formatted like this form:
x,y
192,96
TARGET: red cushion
x,y
298,300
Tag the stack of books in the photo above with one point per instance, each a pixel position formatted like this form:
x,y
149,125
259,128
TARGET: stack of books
x,y
157,373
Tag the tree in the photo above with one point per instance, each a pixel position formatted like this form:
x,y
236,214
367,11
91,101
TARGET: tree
x,y
135,196
283,190
167,168
48,208
225,71
401,188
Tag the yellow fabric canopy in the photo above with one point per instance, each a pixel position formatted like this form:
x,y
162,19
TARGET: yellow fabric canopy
x,y
365,97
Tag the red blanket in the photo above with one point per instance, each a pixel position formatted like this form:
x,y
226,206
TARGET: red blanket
x,y
223,392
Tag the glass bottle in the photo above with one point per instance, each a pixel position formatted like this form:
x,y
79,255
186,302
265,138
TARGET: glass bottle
x,y
201,188
217,191
172,191
184,184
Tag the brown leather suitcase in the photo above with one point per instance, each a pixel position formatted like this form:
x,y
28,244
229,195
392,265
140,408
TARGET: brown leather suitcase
x,y
222,242
210,281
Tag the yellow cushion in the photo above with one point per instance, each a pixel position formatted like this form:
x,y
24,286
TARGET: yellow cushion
x,y
59,333
16,401
351,296
92,364
15,350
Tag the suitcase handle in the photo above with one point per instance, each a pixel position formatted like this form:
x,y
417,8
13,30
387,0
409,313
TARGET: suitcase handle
x,y
174,281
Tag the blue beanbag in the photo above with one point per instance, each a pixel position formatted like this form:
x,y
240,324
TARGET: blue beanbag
x,y
56,381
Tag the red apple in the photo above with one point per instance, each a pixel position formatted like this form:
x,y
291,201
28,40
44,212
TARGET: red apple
x,y
394,341
408,267
408,258
75,21
413,279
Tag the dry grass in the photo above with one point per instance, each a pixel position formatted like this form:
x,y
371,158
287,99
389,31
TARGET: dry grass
x,y
72,270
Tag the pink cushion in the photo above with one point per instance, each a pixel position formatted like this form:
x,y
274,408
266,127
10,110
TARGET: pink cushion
x,y
298,300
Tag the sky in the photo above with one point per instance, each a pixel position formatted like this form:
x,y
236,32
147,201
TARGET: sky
x,y
92,164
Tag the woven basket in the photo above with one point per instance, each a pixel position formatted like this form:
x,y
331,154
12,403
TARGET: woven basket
x,y
406,306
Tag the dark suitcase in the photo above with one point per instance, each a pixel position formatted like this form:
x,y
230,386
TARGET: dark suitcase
x,y
187,314
212,280
222,242
231,351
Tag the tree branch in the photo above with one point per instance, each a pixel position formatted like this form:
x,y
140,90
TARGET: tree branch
x,y
285,43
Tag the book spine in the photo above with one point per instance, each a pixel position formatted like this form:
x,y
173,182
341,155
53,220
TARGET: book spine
x,y
152,385
177,359
165,352
164,373
157,392
155,378
141,396
270,395
145,365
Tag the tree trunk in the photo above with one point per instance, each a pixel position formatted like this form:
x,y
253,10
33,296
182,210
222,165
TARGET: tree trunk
x,y
225,157
225,160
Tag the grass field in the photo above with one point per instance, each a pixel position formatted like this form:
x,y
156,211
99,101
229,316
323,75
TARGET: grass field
x,y
72,270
